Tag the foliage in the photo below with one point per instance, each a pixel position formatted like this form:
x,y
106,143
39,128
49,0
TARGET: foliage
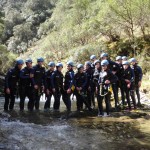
x,y
75,29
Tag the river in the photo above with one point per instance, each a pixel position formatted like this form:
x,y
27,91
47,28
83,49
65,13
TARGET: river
x,y
75,131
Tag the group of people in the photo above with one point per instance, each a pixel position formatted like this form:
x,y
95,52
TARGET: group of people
x,y
95,78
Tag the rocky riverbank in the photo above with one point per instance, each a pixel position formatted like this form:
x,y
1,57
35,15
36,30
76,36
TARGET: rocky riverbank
x,y
48,130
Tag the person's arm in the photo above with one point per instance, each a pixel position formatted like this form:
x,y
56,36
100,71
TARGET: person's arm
x,y
72,79
45,82
140,73
52,80
8,75
132,75
75,82
32,74
85,82
43,78
140,76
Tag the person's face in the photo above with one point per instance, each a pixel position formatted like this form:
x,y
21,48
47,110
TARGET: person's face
x,y
104,58
69,67
40,63
92,60
104,67
20,66
97,65
133,63
119,61
81,70
86,67
52,68
29,64
125,67
59,69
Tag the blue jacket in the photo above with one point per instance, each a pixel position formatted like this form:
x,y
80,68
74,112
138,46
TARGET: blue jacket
x,y
129,75
57,80
25,79
137,72
39,75
12,77
48,76
80,80
69,79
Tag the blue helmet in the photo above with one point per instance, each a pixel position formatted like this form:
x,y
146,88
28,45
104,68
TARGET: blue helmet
x,y
40,59
88,63
125,63
92,57
70,63
132,60
51,64
59,64
80,66
28,60
104,55
118,58
19,62
96,61
104,63
124,58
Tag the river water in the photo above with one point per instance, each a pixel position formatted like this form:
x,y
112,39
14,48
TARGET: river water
x,y
75,131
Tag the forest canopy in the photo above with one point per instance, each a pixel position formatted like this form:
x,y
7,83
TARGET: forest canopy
x,y
56,29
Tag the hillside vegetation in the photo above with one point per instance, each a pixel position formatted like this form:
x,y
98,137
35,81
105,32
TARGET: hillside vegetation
x,y
74,29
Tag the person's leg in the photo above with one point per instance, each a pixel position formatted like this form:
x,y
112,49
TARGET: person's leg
x,y
93,99
107,101
138,95
66,100
7,98
30,97
115,92
84,100
57,96
78,102
48,101
35,98
100,105
128,97
122,94
23,94
12,99
89,97
133,98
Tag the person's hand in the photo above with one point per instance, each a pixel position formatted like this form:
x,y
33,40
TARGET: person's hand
x,y
36,87
8,91
139,84
31,75
69,91
107,82
128,85
127,81
78,89
96,91
43,88
47,92
114,72
53,90
89,88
